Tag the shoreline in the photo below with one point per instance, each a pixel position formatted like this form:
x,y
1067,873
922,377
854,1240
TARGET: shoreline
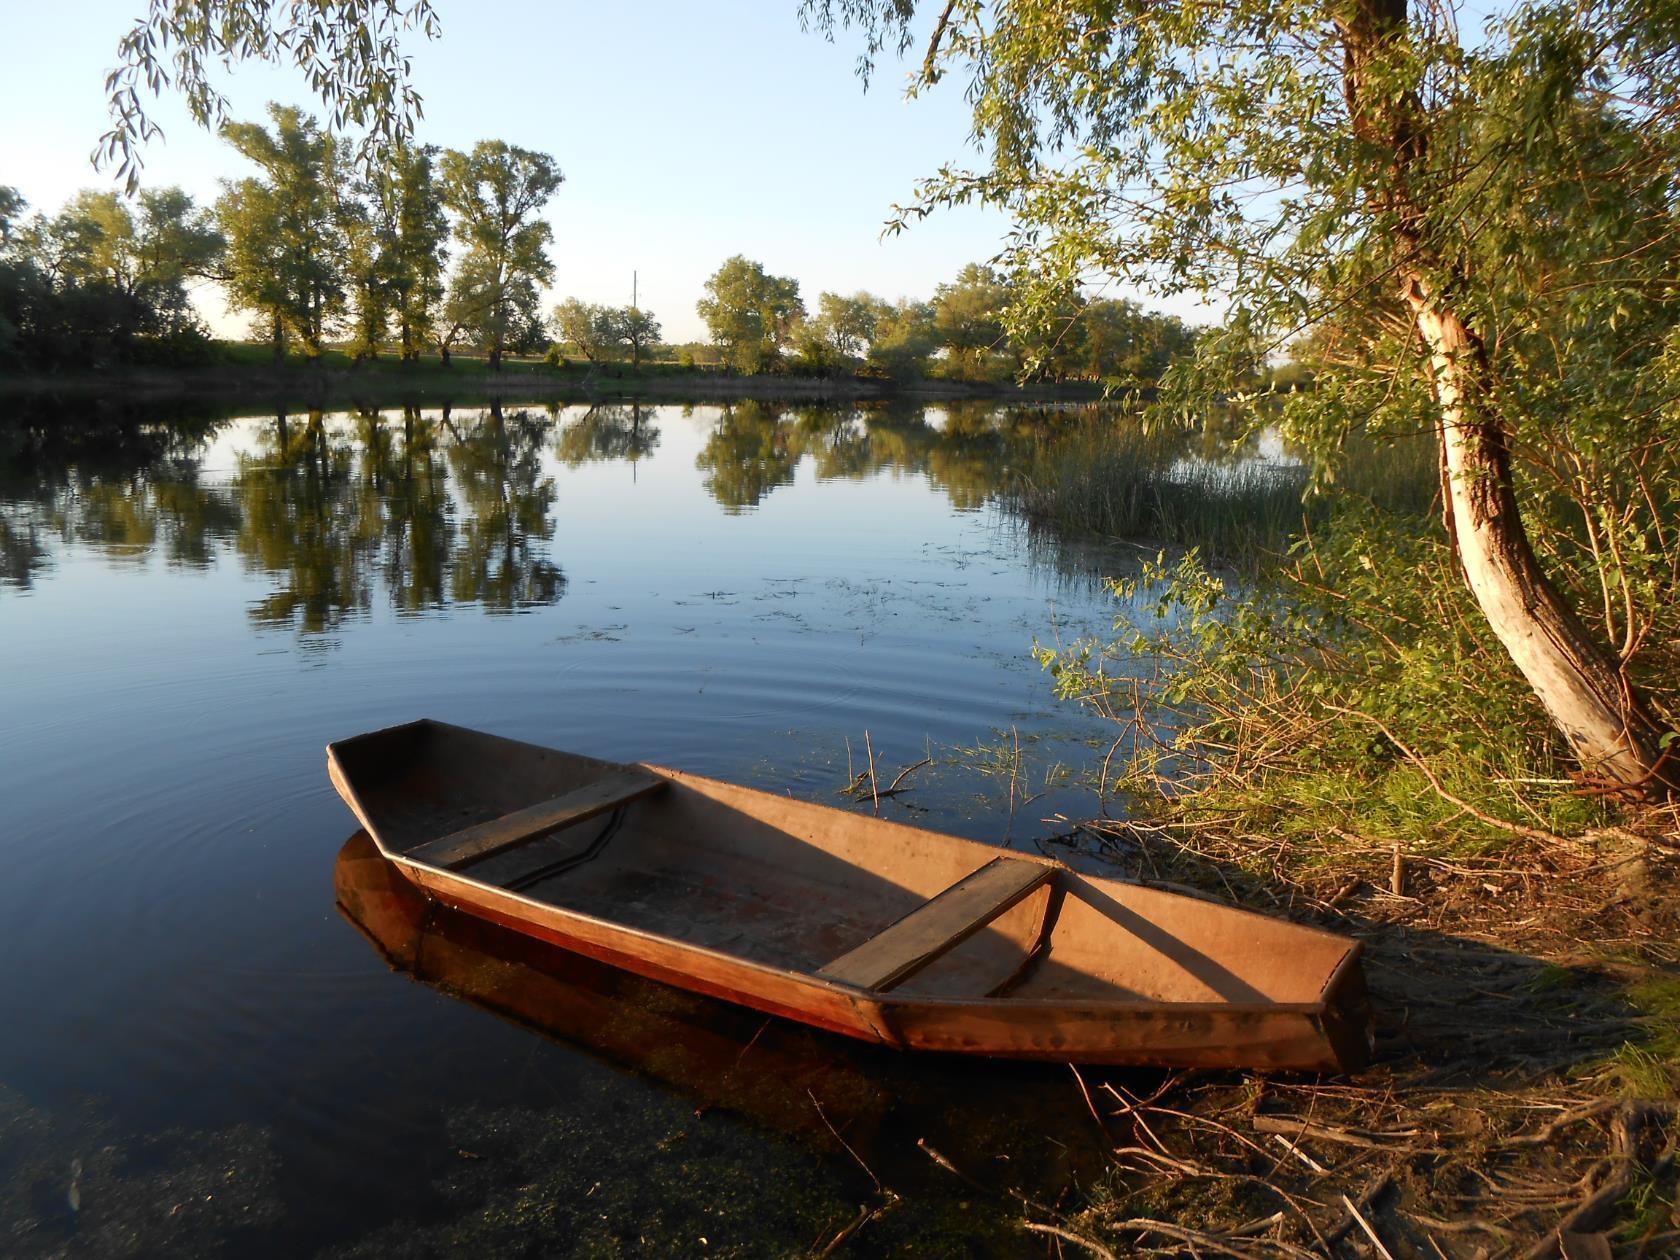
x,y
390,382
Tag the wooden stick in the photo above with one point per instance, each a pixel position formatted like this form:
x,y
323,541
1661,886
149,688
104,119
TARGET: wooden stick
x,y
1095,1115
868,1171
864,1216
904,774
1341,894
1376,1239
1079,1240
1550,1130
1347,1137
1373,1190
1193,1237
1298,1153
872,786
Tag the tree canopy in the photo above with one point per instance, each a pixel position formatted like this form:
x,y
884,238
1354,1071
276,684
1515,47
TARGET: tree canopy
x,y
1488,222
751,313
287,240
349,50
496,192
102,279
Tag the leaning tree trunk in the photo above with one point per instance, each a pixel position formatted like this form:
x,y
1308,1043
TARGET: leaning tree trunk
x,y
1577,680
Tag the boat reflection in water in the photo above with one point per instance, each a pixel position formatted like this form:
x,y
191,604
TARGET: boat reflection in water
x,y
788,1077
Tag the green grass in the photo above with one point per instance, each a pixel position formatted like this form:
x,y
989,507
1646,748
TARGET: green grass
x,y
1650,1067
1107,476
1110,478
259,356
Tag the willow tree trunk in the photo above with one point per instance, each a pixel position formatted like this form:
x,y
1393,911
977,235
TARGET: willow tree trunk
x,y
1577,680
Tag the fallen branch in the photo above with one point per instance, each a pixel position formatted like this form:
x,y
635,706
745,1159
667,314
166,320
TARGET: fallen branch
x,y
1363,1139
1595,1211
1550,1130
1067,1235
1370,1230
864,1216
1374,1190
868,1171
1466,1225
1222,1244
892,788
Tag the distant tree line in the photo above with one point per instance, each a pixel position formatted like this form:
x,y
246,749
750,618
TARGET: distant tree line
x,y
759,323
104,279
438,250
312,247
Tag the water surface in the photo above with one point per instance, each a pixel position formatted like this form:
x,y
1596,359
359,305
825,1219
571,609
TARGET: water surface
x,y
205,1058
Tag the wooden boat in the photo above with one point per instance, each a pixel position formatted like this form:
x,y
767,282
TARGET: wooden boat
x,y
877,930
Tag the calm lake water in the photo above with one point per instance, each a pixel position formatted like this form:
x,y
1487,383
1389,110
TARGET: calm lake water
x,y
203,1057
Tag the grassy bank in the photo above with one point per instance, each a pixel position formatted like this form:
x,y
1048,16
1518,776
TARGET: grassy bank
x,y
1335,736
241,370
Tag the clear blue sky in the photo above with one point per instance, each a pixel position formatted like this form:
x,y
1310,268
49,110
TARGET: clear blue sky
x,y
687,133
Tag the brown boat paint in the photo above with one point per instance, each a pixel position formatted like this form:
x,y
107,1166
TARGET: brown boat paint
x,y
881,931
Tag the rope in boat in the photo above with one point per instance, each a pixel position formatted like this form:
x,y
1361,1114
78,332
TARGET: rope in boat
x,y
565,864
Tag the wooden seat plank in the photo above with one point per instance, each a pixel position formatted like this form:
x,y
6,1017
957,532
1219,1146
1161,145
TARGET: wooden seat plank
x,y
475,843
938,925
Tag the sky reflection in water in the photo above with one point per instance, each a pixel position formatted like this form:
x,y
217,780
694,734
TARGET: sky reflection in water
x,y
187,616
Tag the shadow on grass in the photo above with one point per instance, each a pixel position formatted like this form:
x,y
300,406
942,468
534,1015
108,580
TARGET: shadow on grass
x,y
1524,1077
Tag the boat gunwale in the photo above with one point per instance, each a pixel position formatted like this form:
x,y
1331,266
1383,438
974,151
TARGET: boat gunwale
x,y
891,997
1340,972
1319,1008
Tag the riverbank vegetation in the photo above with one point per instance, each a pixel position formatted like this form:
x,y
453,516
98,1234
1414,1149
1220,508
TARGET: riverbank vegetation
x,y
1347,177
439,254
1448,727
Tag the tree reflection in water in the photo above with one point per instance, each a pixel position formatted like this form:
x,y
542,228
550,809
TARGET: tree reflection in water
x,y
747,455
423,510
965,449
124,489
606,433
328,511
497,462
299,523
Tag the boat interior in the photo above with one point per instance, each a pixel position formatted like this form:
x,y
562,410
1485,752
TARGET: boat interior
x,y
808,888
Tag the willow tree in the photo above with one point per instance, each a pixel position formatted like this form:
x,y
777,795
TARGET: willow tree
x,y
750,313
286,230
497,191
1489,221
398,237
350,51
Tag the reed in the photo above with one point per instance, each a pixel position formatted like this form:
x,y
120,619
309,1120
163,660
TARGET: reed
x,y
1110,478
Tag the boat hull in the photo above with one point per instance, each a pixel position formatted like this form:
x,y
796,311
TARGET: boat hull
x,y
1328,1031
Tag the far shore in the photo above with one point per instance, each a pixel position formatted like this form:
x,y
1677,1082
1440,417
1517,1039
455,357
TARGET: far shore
x,y
388,381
